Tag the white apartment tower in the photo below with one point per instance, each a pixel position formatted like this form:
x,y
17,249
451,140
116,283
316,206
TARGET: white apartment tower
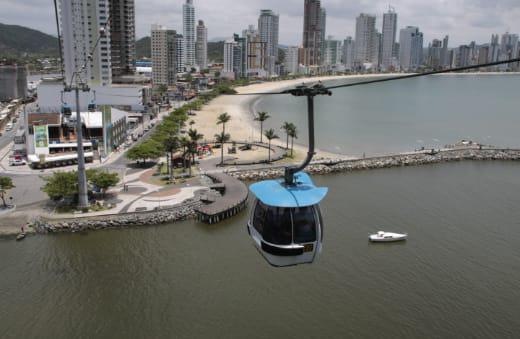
x,y
268,27
80,24
292,64
188,22
164,56
388,39
411,48
366,39
348,53
202,46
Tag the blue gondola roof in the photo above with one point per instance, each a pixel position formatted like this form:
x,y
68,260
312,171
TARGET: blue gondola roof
x,y
275,193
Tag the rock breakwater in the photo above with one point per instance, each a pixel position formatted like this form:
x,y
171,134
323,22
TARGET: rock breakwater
x,y
157,217
415,159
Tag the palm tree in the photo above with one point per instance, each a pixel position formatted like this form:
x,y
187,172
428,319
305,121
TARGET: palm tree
x,y
223,119
195,137
286,127
293,134
222,139
262,116
270,135
171,145
185,143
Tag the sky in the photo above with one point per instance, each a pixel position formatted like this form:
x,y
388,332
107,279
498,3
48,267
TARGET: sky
x,y
463,20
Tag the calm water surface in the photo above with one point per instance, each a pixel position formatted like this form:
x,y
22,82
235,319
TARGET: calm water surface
x,y
408,114
458,276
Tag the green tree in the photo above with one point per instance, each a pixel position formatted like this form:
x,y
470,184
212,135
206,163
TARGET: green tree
x,y
185,144
222,139
287,127
262,116
6,183
102,179
150,149
171,145
223,119
270,135
61,185
195,137
293,133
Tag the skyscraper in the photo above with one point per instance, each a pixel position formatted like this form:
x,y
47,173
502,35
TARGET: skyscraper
x,y
80,23
164,56
388,39
188,24
312,33
366,39
323,26
445,58
256,53
348,53
333,52
122,37
235,58
494,48
435,51
292,64
268,27
411,48
202,45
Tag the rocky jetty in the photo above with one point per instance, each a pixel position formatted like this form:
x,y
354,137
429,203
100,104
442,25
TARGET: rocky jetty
x,y
415,159
157,217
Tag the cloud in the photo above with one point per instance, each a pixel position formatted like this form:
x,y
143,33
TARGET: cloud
x,y
462,20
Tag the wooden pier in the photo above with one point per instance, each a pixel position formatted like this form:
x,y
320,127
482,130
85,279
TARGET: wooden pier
x,y
233,200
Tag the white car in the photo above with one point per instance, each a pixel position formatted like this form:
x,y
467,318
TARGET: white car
x,y
16,161
8,127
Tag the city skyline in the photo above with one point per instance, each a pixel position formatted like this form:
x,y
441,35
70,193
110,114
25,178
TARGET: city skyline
x,y
462,20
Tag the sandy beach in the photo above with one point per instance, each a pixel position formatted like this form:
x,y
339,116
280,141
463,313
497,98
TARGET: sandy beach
x,y
242,126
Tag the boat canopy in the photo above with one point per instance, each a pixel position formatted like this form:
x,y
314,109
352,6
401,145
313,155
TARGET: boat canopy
x,y
276,193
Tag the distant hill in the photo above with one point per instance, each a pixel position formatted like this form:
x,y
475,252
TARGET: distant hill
x,y
17,41
143,48
216,52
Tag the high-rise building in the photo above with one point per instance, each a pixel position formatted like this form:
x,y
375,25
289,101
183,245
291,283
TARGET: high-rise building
x,y
483,53
202,45
411,48
445,63
180,54
292,63
122,37
494,49
235,58
463,56
164,56
312,33
188,24
348,53
509,46
80,24
256,53
366,39
323,24
268,27
388,38
333,52
435,50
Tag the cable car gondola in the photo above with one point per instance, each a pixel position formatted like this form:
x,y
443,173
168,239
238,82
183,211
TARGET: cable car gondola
x,y
286,223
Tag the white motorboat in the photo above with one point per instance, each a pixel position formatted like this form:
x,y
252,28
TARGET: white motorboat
x,y
387,237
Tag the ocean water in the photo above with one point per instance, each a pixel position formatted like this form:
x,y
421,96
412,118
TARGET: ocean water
x,y
405,115
457,276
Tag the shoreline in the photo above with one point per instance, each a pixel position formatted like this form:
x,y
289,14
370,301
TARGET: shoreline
x,y
242,126
187,210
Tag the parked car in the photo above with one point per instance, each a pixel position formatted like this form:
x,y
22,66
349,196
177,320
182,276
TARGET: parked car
x,y
8,127
16,161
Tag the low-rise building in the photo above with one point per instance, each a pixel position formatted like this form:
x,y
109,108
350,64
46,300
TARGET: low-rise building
x,y
51,138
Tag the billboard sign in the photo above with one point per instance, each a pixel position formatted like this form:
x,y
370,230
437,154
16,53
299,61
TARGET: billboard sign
x,y
41,139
